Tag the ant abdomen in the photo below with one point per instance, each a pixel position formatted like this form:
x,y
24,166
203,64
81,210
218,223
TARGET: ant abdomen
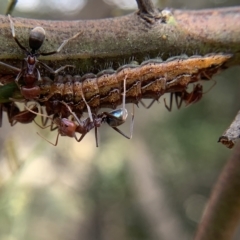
x,y
36,38
30,93
114,118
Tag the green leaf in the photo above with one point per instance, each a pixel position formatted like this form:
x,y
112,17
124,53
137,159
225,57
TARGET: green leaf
x,y
8,91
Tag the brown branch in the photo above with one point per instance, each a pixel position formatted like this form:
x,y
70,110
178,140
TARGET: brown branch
x,y
147,10
146,6
232,134
11,6
114,41
222,214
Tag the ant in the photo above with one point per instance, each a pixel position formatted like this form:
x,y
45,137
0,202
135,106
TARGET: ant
x,y
29,71
188,98
69,128
15,115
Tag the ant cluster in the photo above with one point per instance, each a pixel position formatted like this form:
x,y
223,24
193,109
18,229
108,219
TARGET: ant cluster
x,y
30,90
66,97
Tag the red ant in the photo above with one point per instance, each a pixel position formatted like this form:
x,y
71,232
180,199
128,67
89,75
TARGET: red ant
x,y
29,72
15,115
188,98
69,128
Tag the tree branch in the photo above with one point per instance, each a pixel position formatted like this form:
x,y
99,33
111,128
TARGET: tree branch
x,y
221,217
147,10
111,42
146,6
232,134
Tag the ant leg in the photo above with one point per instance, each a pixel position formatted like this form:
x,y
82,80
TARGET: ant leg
x,y
10,67
11,109
73,114
81,137
132,123
195,95
62,45
1,113
56,71
54,144
39,77
179,103
62,68
159,93
125,113
169,108
11,6
14,36
151,103
19,75
17,100
119,131
44,127
214,83
17,78
44,122
88,108
96,136
206,76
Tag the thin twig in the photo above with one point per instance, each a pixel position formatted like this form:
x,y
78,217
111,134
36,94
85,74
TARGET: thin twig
x,y
221,217
232,134
147,10
11,6
146,6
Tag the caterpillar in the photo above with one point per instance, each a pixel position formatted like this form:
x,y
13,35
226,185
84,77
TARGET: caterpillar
x,y
69,128
149,80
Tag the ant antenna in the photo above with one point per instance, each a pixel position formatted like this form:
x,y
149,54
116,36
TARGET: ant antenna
x,y
73,114
214,83
88,108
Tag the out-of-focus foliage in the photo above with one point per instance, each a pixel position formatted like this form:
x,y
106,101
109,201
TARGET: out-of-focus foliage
x,y
151,187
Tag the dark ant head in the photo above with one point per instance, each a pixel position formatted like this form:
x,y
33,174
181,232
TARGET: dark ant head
x,y
36,38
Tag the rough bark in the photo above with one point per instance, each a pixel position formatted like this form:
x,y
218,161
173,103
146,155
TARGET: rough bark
x,y
114,41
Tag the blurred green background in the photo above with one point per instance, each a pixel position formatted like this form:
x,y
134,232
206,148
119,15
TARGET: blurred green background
x,y
154,186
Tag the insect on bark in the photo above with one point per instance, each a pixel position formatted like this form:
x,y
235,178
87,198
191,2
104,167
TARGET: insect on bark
x,y
187,97
184,96
29,72
69,128
15,115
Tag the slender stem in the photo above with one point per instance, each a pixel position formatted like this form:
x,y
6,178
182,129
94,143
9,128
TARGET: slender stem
x,y
11,6
146,7
221,217
232,134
